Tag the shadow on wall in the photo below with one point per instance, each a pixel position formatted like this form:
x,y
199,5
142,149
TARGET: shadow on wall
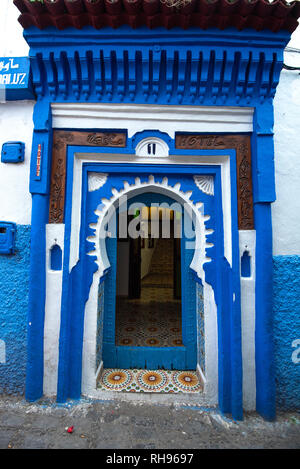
x,y
286,308
14,286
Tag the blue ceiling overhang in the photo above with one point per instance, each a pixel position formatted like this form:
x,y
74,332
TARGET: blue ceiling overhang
x,y
209,67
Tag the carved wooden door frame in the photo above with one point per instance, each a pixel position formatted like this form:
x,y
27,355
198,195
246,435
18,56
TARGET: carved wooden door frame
x,y
61,140
242,145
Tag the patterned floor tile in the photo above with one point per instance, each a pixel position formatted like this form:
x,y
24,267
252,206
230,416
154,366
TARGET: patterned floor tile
x,y
159,381
149,323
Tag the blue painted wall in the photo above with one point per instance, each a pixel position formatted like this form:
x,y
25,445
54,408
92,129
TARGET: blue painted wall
x,y
286,309
14,285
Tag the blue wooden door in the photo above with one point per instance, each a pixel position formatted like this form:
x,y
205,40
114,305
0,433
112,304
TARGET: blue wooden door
x,y
179,357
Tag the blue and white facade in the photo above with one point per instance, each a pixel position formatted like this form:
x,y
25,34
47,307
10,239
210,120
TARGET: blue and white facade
x,y
16,125
286,240
140,89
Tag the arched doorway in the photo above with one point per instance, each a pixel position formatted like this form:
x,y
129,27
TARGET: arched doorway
x,y
150,318
204,207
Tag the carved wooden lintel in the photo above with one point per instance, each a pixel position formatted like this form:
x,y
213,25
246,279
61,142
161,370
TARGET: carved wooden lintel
x,y
61,139
242,145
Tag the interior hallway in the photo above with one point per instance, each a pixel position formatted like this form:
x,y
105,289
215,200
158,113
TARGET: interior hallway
x,y
155,318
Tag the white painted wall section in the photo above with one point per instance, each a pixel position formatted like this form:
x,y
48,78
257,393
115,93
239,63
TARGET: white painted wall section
x,y
286,209
211,345
54,235
2,352
138,117
16,125
12,42
247,242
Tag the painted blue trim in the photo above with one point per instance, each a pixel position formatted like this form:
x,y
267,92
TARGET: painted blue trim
x,y
236,326
262,149
229,37
109,351
37,298
42,135
264,350
188,301
173,357
63,385
75,292
246,265
167,67
39,218
263,178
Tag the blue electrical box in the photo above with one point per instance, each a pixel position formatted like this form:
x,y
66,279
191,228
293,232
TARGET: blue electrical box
x,y
13,152
7,237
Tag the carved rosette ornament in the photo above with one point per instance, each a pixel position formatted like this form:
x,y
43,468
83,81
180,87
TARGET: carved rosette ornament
x,y
96,181
61,140
205,183
242,145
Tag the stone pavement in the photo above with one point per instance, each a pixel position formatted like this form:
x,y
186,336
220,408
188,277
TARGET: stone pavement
x,y
125,425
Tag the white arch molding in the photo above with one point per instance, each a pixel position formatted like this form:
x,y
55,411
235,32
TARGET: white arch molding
x,y
89,376
161,188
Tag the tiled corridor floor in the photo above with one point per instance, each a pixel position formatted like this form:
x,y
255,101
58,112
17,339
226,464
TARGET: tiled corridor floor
x,y
160,381
149,322
154,320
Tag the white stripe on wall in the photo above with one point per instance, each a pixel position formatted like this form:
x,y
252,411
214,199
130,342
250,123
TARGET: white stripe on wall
x,y
247,242
54,235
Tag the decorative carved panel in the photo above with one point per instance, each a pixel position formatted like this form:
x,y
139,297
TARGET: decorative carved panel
x,y
61,139
242,145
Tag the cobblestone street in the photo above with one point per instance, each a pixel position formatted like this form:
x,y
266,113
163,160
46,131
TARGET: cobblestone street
x,y
123,425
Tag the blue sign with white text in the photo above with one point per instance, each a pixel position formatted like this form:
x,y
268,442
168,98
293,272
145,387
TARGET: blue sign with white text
x,y
15,79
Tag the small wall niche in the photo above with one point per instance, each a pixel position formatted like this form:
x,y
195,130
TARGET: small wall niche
x,y
246,265
55,258
152,146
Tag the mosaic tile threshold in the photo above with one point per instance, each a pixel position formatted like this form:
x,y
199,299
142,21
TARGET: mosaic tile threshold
x,y
159,381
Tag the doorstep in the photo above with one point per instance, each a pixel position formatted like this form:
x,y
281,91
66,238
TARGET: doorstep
x,y
149,381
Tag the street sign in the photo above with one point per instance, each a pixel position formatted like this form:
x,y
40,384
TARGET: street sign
x,y
15,79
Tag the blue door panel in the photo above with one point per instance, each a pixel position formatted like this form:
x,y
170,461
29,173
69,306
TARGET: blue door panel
x,y
109,352
150,358
188,299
